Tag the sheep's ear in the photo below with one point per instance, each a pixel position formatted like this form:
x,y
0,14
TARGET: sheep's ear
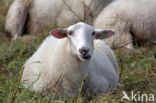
x,y
103,34
59,33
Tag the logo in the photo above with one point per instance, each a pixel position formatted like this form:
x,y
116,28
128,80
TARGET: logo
x,y
138,97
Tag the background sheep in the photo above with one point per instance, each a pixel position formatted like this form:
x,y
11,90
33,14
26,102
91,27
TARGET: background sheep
x,y
37,15
131,20
17,16
60,65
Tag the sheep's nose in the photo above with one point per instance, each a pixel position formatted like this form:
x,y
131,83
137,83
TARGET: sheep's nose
x,y
84,51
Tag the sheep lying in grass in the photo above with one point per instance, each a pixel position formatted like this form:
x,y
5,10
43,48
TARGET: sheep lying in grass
x,y
131,20
36,15
63,61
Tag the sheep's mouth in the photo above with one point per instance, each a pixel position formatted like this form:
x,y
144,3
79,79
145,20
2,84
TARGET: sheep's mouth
x,y
86,56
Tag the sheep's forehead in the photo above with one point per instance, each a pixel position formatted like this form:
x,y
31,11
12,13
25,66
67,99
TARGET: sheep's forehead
x,y
81,27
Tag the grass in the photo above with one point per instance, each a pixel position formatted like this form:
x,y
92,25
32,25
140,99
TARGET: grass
x,y
138,71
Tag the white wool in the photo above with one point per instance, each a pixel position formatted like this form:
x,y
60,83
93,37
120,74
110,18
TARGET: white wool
x,y
130,19
53,68
50,13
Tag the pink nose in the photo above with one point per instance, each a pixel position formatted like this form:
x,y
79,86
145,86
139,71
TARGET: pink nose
x,y
84,51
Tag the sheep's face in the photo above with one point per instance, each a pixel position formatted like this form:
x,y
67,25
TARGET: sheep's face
x,y
81,37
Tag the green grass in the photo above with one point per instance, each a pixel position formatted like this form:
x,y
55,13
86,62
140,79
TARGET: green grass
x,y
138,71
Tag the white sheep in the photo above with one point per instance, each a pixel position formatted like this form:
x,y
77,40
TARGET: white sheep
x,y
131,20
36,15
63,61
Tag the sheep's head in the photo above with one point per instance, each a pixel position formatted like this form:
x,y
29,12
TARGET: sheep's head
x,y
81,37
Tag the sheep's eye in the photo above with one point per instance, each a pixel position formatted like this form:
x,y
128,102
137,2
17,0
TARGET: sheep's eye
x,y
70,32
93,33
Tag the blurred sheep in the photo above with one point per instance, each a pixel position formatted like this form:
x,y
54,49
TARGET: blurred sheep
x,y
34,16
132,20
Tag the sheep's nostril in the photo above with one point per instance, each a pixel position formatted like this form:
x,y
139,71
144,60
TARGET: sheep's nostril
x,y
84,51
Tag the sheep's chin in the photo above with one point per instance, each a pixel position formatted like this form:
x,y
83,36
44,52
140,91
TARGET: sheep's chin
x,y
83,60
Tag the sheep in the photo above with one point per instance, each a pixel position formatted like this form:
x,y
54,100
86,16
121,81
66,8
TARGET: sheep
x,y
132,20
34,16
67,57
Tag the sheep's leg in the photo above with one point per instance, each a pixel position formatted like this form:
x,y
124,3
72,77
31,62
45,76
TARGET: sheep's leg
x,y
21,25
16,19
15,37
130,46
23,22
128,41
